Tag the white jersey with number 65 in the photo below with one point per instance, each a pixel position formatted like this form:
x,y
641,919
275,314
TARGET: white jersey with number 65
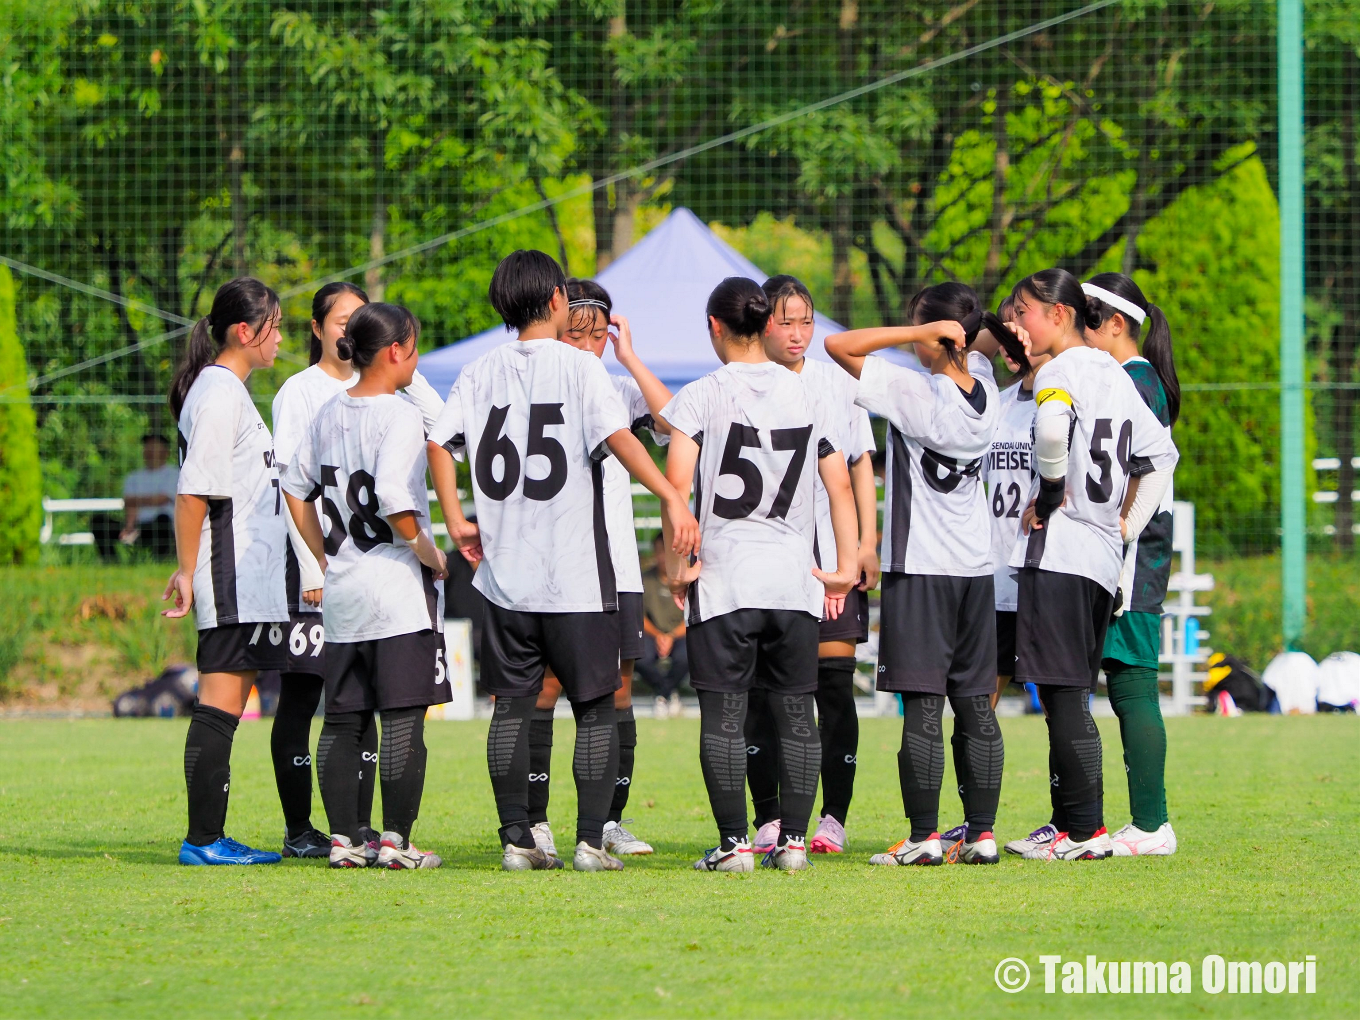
x,y
760,435
532,416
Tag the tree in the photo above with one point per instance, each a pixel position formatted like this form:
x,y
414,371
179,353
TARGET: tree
x,y
20,475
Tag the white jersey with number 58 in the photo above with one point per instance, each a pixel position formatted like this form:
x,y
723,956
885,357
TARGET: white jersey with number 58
x,y
760,435
1114,437
532,416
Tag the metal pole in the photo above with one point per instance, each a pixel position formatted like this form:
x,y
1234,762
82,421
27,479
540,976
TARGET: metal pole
x,y
1293,507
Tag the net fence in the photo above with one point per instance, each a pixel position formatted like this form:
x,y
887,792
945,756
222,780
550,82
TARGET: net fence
x,y
155,148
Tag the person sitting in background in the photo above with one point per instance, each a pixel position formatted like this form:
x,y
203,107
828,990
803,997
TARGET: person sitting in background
x,y
148,506
664,663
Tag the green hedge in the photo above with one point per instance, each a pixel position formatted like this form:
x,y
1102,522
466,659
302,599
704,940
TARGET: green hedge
x,y
20,473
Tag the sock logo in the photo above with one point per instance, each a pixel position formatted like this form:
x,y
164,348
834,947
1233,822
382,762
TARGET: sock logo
x,y
538,777
301,760
752,750
369,755
623,781
851,759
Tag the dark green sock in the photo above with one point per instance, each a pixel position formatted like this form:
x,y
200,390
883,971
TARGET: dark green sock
x,y
1133,695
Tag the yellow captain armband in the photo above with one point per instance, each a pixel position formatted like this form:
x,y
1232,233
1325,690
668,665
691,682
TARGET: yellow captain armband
x,y
1044,396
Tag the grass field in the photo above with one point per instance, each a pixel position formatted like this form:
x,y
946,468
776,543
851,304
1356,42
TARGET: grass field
x,y
96,919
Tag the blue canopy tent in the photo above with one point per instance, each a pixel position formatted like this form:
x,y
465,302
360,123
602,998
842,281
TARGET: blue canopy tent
x,y
662,285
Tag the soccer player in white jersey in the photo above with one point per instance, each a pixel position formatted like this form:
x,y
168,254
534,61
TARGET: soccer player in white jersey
x,y
229,537
295,408
364,464
591,327
1092,433
938,620
786,340
748,439
537,417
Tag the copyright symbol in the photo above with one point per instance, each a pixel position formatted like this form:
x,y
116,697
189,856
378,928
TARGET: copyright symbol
x,y
1012,974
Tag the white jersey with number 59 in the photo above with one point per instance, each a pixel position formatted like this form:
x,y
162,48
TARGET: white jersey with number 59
x,y
760,435
1114,437
532,416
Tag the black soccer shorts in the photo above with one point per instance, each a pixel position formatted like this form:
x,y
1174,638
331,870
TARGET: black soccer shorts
x,y
725,650
582,649
241,647
937,634
1060,628
404,671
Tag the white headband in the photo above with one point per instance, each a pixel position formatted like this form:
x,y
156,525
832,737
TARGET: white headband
x,y
587,303
1115,301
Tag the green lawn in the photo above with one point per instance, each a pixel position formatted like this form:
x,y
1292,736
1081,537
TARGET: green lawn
x,y
97,919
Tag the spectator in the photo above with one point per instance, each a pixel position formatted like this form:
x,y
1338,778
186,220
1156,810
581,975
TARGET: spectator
x,y
148,506
664,663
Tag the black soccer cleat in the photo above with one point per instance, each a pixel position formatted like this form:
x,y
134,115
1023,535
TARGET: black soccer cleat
x,y
310,843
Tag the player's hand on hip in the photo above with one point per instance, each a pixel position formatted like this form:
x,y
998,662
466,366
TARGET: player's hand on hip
x,y
684,528
312,597
181,587
833,606
868,568
680,581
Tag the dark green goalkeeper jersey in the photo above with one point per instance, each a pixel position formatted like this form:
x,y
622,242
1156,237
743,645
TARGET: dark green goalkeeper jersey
x,y
1152,567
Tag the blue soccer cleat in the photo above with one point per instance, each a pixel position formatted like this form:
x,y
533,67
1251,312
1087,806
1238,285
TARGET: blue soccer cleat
x,y
225,851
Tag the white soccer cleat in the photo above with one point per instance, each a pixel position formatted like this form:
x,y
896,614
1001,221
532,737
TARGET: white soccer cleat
x,y
661,708
980,851
766,837
1042,836
790,855
523,858
739,858
344,854
1065,848
543,838
829,838
398,854
905,852
622,843
590,858
1131,841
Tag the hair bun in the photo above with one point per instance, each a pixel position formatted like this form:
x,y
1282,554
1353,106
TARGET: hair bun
x,y
344,347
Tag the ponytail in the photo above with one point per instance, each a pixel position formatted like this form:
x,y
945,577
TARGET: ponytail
x,y
959,302
740,305
1156,346
243,299
1010,343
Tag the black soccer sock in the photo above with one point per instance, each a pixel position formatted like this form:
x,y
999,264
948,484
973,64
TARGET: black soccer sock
x,y
337,770
762,756
627,754
1058,814
207,772
722,754
368,771
507,760
594,765
800,762
540,764
979,757
1076,747
401,767
838,723
290,744
920,762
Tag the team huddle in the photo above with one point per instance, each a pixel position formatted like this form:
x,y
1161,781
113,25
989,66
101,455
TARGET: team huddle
x,y
1026,538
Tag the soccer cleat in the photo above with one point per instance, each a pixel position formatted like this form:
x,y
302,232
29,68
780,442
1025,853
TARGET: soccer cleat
x,y
521,858
543,838
953,837
370,836
592,858
739,858
1131,841
225,851
398,854
766,837
677,706
1042,836
789,855
344,854
905,852
309,843
980,851
661,708
619,841
1065,848
829,838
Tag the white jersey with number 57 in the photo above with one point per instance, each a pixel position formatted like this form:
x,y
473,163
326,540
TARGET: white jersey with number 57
x,y
363,463
532,416
1114,437
760,435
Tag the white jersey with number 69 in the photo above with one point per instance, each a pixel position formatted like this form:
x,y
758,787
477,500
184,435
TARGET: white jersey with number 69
x,y
363,463
760,435
1114,437
532,416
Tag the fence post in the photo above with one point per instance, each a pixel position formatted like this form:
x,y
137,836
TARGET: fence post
x,y
1293,508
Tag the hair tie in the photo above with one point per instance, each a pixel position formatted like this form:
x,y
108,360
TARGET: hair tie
x,y
1115,301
